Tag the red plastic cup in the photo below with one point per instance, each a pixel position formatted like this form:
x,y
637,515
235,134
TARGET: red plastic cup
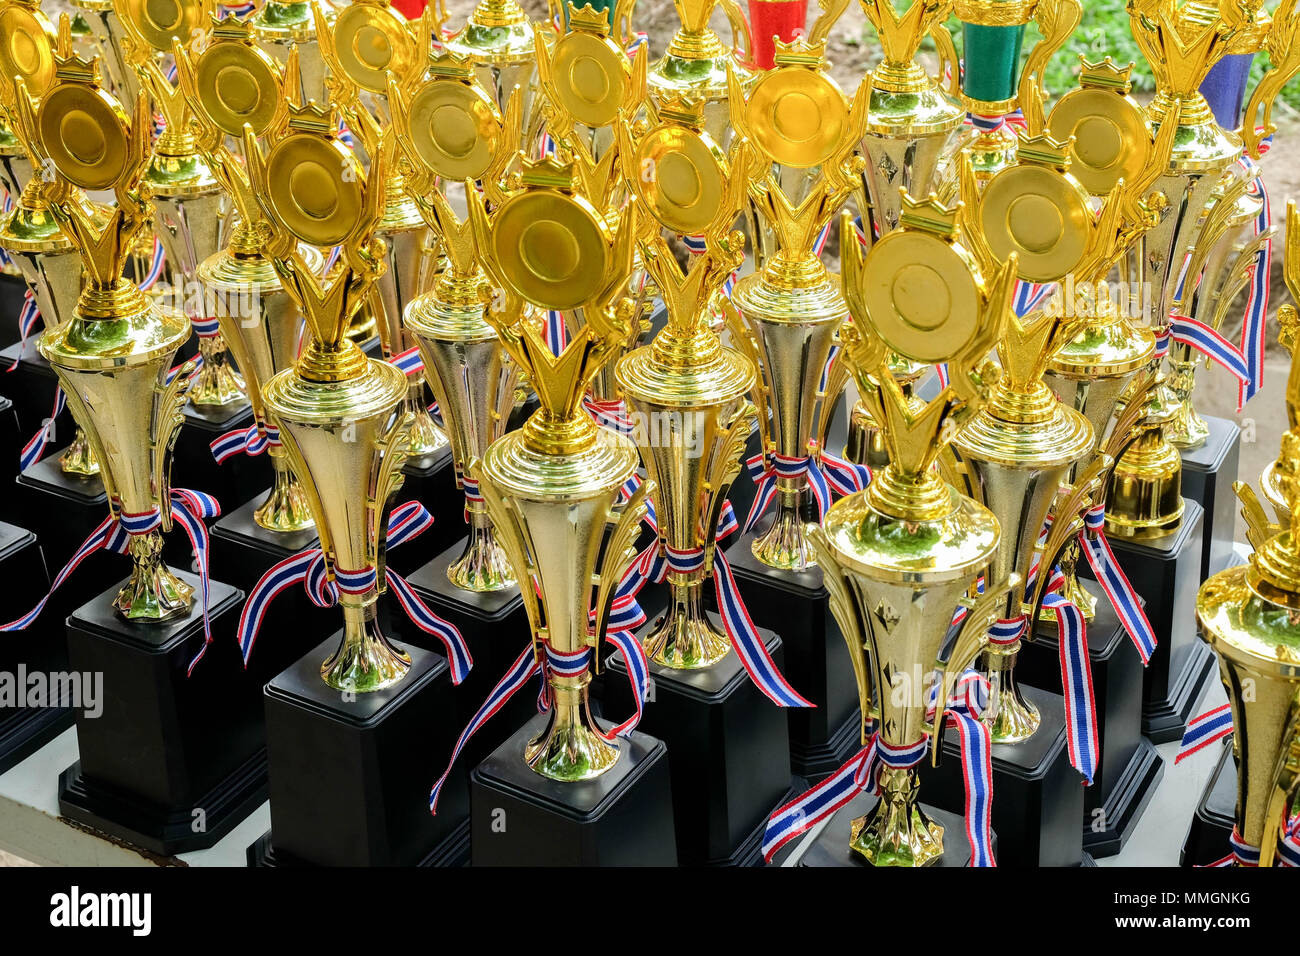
x,y
774,18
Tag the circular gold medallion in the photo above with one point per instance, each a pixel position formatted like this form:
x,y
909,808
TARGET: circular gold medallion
x,y
27,48
160,22
1110,137
680,179
921,297
552,249
371,43
85,132
797,117
237,84
1040,214
455,129
589,76
316,188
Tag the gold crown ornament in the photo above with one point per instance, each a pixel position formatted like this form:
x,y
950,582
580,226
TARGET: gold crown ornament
x,y
113,353
902,556
789,311
911,119
231,84
107,35
358,65
29,234
552,487
338,410
686,389
1248,614
449,130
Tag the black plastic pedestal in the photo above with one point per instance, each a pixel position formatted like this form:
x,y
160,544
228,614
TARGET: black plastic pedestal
x,y
1209,834
728,748
1037,795
831,847
35,702
350,773
29,382
173,762
432,482
1208,474
11,446
1166,574
236,480
624,817
1129,768
495,626
795,605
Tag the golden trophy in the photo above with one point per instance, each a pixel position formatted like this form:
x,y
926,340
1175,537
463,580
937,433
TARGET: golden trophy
x,y
338,410
188,200
113,353
498,38
106,29
280,26
902,557
553,486
259,320
696,63
357,68
790,311
1271,480
463,359
30,234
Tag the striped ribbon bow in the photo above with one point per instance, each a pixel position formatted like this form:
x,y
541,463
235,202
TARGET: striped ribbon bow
x,y
252,440
1128,606
861,775
658,559
823,470
308,568
1209,728
188,508
609,414
34,450
560,664
1207,341
1076,670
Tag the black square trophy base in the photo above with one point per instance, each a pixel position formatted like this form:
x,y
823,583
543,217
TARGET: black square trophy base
x,y
35,697
1209,835
1129,768
728,750
173,762
350,773
12,292
495,627
235,481
624,817
1037,795
1208,474
1165,572
432,482
29,382
11,445
795,605
831,846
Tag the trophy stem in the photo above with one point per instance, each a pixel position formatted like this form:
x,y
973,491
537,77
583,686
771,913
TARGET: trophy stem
x,y
365,660
1188,429
1014,719
483,565
684,638
286,508
425,437
79,458
783,544
570,748
897,832
153,593
217,382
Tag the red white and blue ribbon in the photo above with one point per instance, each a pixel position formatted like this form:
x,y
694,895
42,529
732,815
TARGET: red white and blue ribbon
x,y
409,362
252,440
155,266
1030,295
861,775
659,559
188,508
28,316
1115,583
1209,728
1243,854
1254,321
206,328
309,569
1207,341
991,124
35,448
610,414
823,470
554,333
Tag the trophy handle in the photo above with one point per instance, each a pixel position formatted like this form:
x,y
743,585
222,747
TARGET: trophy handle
x,y
1056,21
726,466
1284,55
846,612
1258,528
739,29
1286,781
971,639
948,78
513,538
169,405
1067,523
1241,276
832,10
618,550
837,376
744,340
394,448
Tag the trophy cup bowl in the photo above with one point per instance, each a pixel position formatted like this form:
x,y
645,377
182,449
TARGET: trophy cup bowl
x,y
696,61
474,383
691,414
340,437
280,26
1018,451
498,38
